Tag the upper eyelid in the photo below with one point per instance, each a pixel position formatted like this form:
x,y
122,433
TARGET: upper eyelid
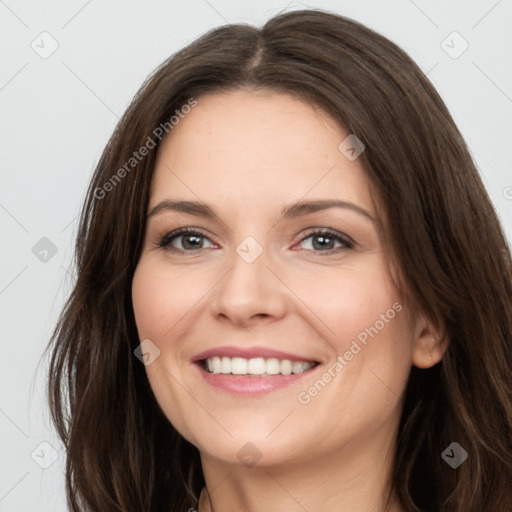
x,y
175,233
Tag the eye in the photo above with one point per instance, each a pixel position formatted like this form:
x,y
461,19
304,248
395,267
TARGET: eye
x,y
325,240
193,240
184,240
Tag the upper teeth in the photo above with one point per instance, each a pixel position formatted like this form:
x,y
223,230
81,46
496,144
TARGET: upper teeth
x,y
257,366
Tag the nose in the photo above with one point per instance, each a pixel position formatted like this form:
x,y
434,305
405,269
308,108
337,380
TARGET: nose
x,y
250,293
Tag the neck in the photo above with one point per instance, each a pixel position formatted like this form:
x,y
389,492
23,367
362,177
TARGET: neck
x,y
355,477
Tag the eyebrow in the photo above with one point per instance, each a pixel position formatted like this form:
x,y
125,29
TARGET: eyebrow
x,y
289,211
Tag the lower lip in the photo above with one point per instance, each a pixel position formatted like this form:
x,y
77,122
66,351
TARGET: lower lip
x,y
250,386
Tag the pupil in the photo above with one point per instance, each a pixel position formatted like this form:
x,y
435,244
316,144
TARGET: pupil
x,y
325,242
187,245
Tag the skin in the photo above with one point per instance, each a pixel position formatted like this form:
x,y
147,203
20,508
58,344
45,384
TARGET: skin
x,y
247,154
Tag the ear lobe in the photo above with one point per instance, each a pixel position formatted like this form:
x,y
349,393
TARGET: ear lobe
x,y
430,344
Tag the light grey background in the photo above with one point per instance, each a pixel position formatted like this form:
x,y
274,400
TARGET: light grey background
x,y
58,112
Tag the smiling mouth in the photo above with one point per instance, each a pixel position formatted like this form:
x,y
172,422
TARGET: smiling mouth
x,y
255,367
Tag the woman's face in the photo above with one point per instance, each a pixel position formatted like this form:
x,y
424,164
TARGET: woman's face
x,y
257,285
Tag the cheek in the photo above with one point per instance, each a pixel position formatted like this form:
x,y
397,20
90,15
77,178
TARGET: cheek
x,y
162,298
353,303
368,334
359,389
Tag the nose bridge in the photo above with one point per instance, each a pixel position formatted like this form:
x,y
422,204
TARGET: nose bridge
x,y
249,289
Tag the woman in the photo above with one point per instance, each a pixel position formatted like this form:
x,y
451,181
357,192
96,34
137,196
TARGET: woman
x,y
293,291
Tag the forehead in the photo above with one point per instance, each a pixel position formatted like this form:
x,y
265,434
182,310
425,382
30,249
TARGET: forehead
x,y
258,146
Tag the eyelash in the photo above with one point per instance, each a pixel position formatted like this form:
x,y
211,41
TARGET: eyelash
x,y
165,241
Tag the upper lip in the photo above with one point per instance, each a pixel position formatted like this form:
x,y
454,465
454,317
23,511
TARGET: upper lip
x,y
249,353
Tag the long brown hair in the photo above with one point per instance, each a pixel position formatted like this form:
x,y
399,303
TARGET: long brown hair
x,y
454,262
